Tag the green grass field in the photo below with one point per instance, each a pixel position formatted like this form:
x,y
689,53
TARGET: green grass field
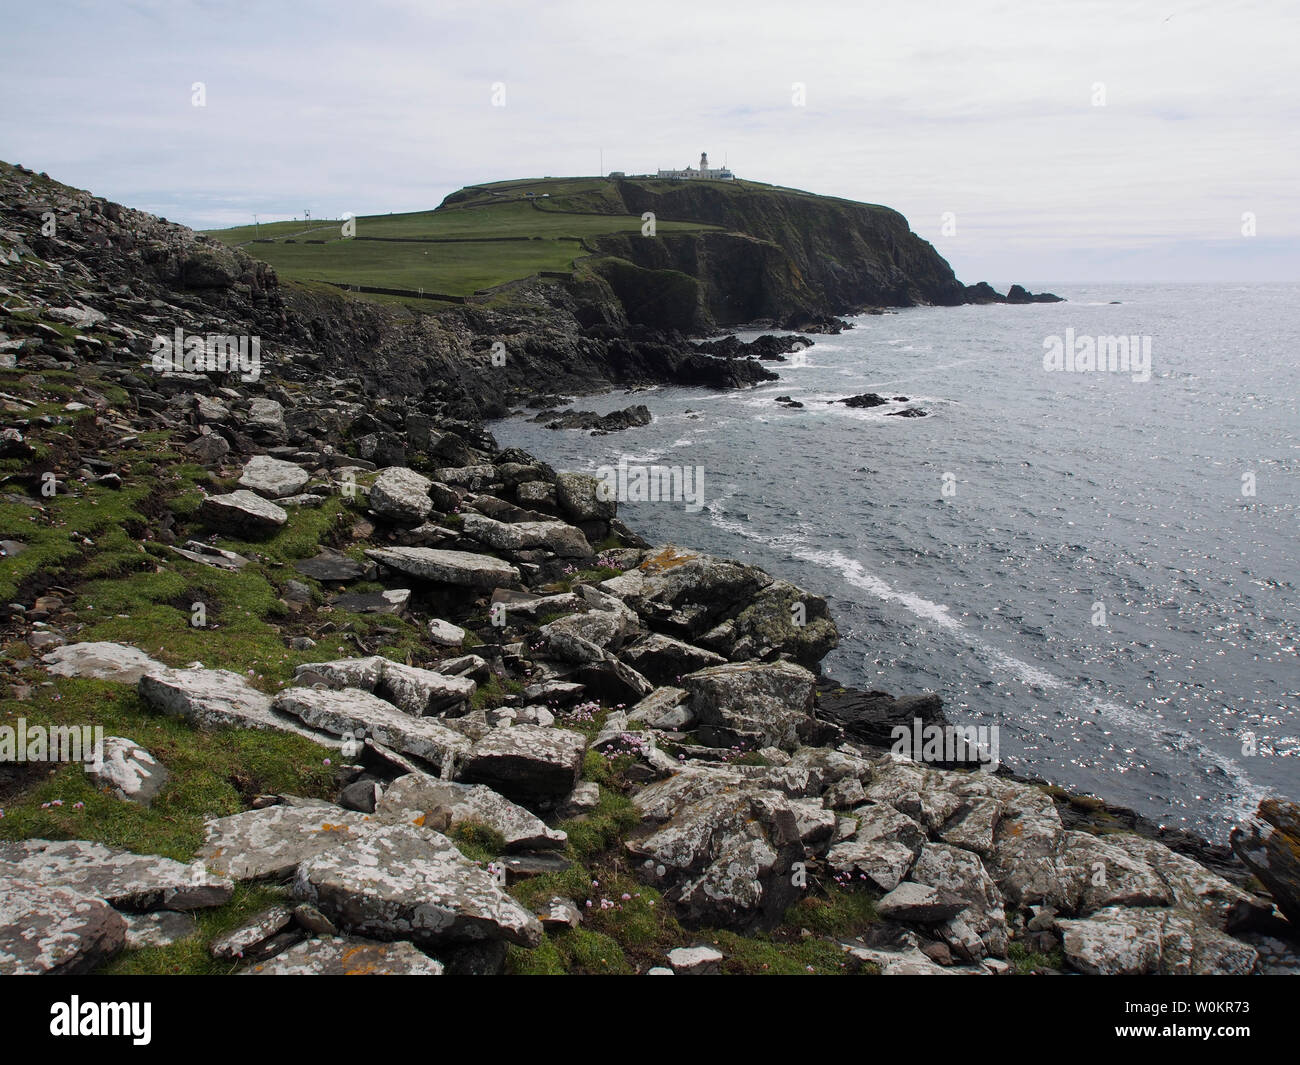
x,y
487,235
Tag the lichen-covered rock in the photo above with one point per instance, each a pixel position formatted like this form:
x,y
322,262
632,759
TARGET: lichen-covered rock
x,y
1128,941
1269,845
563,541
687,593
55,928
343,956
402,882
780,618
401,495
664,659
100,661
752,703
243,512
882,849
131,771
461,568
415,796
209,698
268,844
526,763
727,859
581,499
962,875
134,882
351,711
273,478
249,939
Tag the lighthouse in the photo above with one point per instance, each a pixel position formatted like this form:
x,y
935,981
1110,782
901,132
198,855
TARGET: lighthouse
x,y
704,163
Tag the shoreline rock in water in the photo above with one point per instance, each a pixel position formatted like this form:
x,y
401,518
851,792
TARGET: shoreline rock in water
x,y
536,723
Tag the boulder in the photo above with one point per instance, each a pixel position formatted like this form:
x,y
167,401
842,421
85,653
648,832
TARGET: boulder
x,y
129,770
243,513
527,763
273,478
253,938
696,961
331,565
401,495
780,619
208,698
882,848
752,703
919,904
402,882
665,660
580,497
726,859
1269,845
686,593
1126,941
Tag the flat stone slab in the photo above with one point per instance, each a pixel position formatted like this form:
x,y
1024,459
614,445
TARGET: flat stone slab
x,y
268,844
527,763
207,555
356,712
273,478
100,661
561,539
331,566
207,698
389,601
54,928
243,512
415,796
135,882
332,956
402,882
462,568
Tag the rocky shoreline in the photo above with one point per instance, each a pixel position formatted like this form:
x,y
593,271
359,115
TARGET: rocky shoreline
x,y
523,739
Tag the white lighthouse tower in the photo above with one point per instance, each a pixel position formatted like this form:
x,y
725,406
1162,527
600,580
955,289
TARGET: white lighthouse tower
x,y
704,164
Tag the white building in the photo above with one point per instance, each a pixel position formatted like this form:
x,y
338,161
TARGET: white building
x,y
709,174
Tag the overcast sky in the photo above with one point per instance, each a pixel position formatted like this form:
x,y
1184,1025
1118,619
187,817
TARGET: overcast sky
x,y
986,110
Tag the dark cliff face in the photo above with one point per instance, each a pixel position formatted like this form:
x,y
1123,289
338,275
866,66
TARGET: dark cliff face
x,y
785,251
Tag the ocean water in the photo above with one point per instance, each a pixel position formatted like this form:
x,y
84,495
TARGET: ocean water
x,y
1074,557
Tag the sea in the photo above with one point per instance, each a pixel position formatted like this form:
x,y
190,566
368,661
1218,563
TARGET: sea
x,y
1102,563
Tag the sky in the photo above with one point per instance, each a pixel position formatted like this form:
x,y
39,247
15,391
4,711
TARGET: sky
x,y
1033,142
